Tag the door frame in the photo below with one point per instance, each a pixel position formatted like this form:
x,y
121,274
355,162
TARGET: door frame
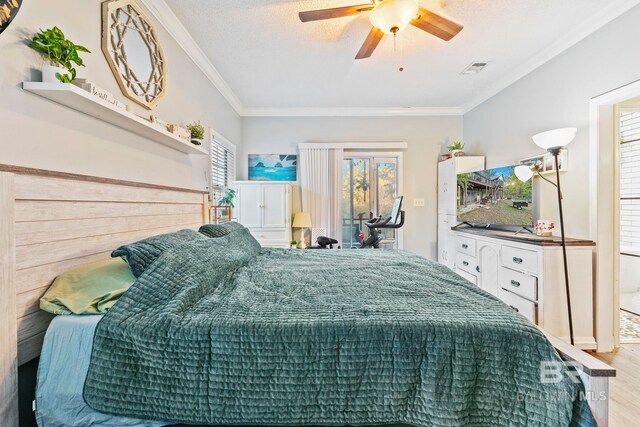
x,y
400,174
604,210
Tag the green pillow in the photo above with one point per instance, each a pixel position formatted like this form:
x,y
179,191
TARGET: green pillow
x,y
90,289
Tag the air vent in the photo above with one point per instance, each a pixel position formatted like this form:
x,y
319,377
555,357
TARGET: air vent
x,y
474,68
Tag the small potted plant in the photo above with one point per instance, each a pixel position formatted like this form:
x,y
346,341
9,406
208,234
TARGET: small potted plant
x,y
227,198
61,54
456,149
293,244
197,132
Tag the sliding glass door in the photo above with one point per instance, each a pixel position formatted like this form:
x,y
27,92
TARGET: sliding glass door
x,y
369,188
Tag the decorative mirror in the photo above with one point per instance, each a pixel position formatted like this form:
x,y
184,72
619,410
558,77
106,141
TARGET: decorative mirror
x,y
133,52
8,10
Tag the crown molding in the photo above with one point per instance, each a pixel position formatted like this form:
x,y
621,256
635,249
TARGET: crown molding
x,y
353,112
613,10
165,16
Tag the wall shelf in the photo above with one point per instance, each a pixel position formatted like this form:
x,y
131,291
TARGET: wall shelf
x,y
80,100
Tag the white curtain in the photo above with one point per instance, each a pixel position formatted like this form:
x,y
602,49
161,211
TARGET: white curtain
x,y
320,177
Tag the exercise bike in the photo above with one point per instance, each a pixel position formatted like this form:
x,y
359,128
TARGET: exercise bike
x,y
379,223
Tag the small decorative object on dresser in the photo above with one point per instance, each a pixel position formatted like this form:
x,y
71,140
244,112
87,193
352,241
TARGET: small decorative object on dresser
x,y
272,167
197,132
8,11
293,244
61,54
544,227
302,220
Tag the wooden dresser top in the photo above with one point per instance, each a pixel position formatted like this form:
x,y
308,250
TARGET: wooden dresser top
x,y
524,237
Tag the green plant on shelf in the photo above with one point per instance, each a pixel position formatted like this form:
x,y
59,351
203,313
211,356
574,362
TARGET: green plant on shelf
x,y
227,198
197,130
456,146
293,243
59,51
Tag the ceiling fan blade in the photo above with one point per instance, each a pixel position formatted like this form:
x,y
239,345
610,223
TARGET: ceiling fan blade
x,y
437,25
336,12
370,44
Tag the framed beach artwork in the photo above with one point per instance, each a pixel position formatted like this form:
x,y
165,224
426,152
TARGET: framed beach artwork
x,y
273,167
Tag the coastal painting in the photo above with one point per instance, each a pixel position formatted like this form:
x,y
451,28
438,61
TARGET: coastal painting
x,y
272,167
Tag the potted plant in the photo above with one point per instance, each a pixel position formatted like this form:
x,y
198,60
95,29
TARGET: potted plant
x,y
197,132
456,149
60,53
227,198
292,244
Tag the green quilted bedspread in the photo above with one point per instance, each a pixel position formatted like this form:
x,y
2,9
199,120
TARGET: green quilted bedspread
x,y
222,332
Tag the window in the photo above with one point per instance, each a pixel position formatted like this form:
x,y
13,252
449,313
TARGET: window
x,y
223,165
630,179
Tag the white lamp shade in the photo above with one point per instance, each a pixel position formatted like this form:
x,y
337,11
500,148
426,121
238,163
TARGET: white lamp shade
x,y
392,14
555,138
302,220
523,172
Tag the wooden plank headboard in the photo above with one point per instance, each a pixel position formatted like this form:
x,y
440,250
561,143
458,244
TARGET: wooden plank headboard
x,y
51,222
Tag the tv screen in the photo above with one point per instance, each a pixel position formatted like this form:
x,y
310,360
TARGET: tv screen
x,y
495,196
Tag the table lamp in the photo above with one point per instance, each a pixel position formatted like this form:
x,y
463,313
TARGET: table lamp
x,y
302,220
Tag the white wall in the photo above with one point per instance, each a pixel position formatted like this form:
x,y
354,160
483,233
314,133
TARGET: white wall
x,y
424,135
556,95
38,133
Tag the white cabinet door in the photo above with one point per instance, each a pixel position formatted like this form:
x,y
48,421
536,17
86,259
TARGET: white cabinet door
x,y
446,240
489,266
274,206
447,188
249,202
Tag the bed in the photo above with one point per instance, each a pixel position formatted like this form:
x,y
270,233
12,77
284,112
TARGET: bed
x,y
404,339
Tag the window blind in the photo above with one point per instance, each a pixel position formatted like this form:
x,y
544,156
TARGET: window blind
x,y
223,166
630,179
629,126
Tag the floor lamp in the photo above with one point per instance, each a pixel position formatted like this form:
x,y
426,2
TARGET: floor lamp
x,y
553,141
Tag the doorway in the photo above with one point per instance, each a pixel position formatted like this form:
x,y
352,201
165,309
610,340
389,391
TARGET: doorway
x,y
370,184
629,220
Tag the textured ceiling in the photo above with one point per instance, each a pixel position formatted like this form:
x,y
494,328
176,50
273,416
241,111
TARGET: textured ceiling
x,y
272,60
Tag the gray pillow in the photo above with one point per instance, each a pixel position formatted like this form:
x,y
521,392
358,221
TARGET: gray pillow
x,y
220,230
141,254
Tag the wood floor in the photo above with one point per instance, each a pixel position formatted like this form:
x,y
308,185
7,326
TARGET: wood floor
x,y
624,389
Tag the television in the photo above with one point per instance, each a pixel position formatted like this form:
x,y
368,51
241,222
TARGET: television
x,y
494,197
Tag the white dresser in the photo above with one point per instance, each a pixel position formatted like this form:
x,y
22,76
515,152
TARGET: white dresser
x,y
526,272
448,201
265,209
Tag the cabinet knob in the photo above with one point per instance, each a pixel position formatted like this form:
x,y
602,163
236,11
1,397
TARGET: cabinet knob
x,y
478,268
465,263
517,260
515,283
465,246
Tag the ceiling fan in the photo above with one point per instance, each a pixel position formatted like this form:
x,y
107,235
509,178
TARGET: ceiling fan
x,y
389,17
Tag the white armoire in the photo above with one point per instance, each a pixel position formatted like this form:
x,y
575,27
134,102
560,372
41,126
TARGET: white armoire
x,y
265,209
448,202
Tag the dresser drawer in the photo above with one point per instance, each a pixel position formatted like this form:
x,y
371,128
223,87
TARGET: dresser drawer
x,y
525,307
520,259
466,245
470,277
519,283
466,263
270,235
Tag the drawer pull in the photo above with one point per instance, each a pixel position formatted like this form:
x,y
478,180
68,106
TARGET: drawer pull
x,y
465,263
478,268
517,260
465,246
516,310
515,283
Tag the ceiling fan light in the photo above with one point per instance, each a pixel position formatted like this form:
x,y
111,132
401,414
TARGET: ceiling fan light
x,y
392,16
